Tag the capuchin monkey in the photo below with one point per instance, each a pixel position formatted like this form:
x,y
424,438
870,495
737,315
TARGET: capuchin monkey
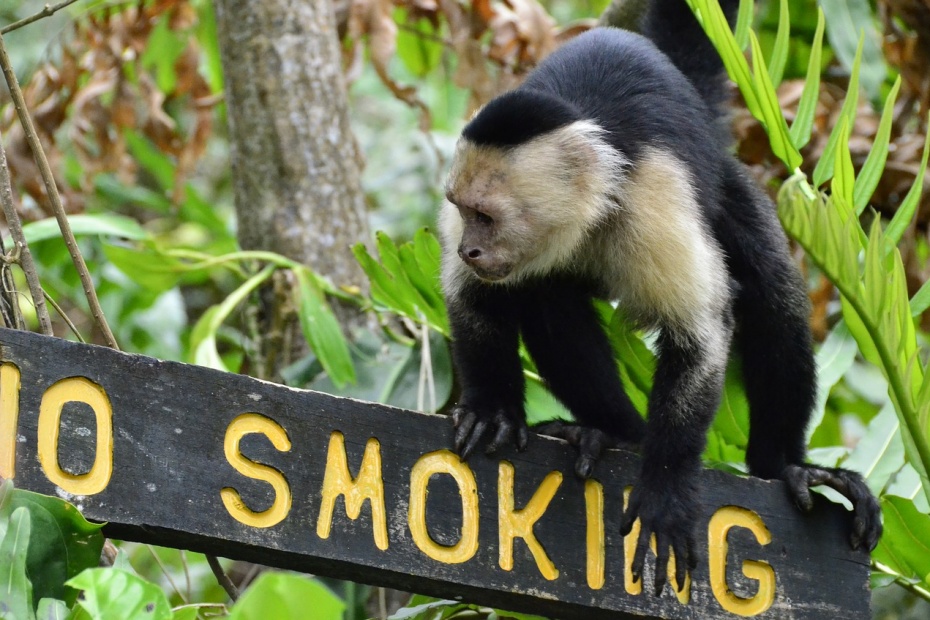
x,y
608,174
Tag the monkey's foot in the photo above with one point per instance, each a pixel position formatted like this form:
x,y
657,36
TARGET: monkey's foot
x,y
472,424
867,524
590,443
668,512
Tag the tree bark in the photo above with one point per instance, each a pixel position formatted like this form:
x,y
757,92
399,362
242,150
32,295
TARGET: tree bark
x,y
295,168
294,160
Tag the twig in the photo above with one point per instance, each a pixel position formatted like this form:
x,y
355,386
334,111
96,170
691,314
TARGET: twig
x,y
19,243
45,12
222,577
167,573
52,190
65,318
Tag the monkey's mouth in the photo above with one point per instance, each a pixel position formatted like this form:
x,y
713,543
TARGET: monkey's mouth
x,y
492,275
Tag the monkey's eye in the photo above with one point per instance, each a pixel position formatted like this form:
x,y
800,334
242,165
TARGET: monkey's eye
x,y
483,218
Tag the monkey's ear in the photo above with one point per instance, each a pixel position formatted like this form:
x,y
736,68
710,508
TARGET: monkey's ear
x,y
595,165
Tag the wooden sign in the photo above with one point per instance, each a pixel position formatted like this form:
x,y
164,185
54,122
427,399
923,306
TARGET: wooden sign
x,y
189,457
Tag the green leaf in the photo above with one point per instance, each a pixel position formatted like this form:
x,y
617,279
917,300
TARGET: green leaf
x,y
835,356
185,613
874,166
151,158
921,300
117,193
147,267
844,177
416,612
285,596
15,589
322,331
780,50
203,335
114,594
856,40
384,289
904,544
162,51
417,46
824,169
807,106
744,23
87,224
880,453
908,207
772,117
61,545
52,609
732,419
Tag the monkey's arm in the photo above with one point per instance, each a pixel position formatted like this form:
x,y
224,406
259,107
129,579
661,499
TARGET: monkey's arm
x,y
485,352
685,395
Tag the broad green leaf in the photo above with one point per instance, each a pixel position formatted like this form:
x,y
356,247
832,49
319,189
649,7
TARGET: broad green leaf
x,y
851,24
418,50
844,177
807,106
412,296
880,453
147,267
210,66
632,351
824,169
185,613
905,543
780,49
835,356
114,594
772,117
384,290
874,166
431,298
108,224
115,192
162,50
62,543
908,207
286,596
422,610
906,483
732,419
52,609
322,331
542,406
15,589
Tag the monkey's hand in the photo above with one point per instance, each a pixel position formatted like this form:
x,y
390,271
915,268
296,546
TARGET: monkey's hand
x,y
501,424
590,443
867,524
667,510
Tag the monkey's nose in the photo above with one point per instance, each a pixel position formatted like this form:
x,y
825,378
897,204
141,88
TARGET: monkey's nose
x,y
470,255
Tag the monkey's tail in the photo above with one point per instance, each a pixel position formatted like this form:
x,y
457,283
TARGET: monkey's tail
x,y
674,29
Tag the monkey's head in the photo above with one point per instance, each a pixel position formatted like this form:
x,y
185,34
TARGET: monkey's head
x,y
528,181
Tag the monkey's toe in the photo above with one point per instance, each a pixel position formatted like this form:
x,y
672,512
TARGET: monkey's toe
x,y
867,524
472,425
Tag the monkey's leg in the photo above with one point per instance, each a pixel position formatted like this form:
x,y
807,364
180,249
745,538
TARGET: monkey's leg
x,y
685,395
562,332
774,341
485,353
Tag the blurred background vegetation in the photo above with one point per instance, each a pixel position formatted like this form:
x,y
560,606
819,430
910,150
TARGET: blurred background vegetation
x,y
128,101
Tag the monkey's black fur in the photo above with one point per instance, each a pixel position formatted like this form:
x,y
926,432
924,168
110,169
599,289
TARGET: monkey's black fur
x,y
663,91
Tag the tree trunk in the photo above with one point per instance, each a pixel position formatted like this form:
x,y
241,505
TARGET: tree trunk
x,y
294,161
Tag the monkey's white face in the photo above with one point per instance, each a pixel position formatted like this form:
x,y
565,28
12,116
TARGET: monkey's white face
x,y
521,211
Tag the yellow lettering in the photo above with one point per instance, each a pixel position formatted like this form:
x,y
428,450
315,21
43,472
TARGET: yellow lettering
x,y
724,519
594,509
629,549
444,462
9,418
76,389
519,523
368,485
240,427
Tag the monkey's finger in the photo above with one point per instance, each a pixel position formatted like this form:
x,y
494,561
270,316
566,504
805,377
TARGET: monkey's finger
x,y
476,434
463,429
682,564
629,515
523,436
584,466
502,437
639,558
662,553
799,485
457,414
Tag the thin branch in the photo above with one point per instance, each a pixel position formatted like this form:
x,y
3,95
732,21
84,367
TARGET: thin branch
x,y
52,190
167,573
45,12
19,244
65,318
222,577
